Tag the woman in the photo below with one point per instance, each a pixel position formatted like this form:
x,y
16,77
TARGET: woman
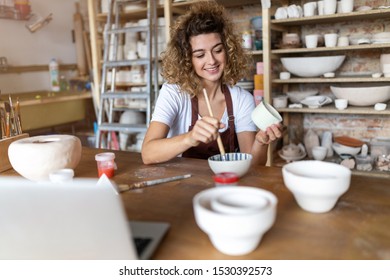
x,y
204,53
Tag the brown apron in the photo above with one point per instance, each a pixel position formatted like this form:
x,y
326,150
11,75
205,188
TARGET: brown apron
x,y
229,136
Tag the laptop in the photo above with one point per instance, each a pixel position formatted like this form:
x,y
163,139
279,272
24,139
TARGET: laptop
x,y
80,219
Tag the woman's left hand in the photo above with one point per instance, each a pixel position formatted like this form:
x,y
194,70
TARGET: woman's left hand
x,y
271,134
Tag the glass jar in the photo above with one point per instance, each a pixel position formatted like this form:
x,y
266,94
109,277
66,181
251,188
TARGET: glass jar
x,y
226,179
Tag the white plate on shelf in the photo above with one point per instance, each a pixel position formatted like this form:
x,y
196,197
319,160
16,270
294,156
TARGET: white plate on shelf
x,y
316,101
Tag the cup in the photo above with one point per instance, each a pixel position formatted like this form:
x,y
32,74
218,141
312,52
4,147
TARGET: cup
x,y
311,41
320,7
338,7
106,164
343,41
319,152
330,7
284,75
341,104
330,40
61,175
346,6
309,9
279,101
264,115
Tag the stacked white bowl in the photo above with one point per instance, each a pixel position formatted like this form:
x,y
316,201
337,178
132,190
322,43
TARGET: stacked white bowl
x,y
235,218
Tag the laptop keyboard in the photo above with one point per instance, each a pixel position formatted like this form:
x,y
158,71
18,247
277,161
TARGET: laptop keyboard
x,y
141,244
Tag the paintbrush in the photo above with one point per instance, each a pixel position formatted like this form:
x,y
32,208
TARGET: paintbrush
x,y
219,140
143,184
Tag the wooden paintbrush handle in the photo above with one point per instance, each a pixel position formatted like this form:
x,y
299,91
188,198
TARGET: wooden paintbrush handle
x,y
219,140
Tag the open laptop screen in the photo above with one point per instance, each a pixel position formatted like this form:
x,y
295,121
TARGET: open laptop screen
x,y
75,220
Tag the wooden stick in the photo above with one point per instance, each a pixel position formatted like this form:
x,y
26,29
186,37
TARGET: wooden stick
x,y
219,140
124,187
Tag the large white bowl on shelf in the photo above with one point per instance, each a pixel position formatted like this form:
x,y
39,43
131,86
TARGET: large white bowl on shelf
x,y
359,95
314,66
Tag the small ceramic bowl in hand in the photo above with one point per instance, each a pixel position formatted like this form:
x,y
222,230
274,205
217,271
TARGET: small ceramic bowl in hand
x,y
264,115
238,233
319,152
316,185
238,163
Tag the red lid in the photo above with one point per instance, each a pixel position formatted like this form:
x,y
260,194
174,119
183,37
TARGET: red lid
x,y
225,178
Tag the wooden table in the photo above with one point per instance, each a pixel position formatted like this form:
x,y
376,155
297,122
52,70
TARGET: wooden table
x,y
357,228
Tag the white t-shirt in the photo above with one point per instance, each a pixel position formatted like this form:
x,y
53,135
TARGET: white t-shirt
x,y
173,108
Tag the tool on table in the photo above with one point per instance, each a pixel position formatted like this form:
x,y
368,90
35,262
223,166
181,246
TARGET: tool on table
x,y
219,140
124,187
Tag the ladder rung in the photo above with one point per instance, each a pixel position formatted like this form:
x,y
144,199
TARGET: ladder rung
x,y
127,29
121,94
131,62
122,127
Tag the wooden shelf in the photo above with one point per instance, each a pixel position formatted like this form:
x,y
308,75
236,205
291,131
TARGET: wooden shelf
x,y
357,79
334,49
330,109
177,8
354,16
36,68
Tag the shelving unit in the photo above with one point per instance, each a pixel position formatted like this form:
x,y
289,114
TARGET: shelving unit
x,y
269,54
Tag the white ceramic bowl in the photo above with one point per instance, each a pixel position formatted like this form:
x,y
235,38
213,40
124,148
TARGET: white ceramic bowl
x,y
234,234
319,152
316,185
343,149
358,95
298,96
238,163
36,157
312,66
264,115
239,203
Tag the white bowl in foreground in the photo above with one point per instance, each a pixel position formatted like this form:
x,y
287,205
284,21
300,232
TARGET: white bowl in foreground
x,y
358,95
316,185
238,163
234,234
314,66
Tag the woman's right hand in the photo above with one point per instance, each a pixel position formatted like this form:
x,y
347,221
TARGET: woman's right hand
x,y
205,130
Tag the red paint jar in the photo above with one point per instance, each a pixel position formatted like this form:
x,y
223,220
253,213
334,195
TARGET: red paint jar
x,y
226,179
106,164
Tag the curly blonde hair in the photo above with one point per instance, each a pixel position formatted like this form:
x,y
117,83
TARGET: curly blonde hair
x,y
203,17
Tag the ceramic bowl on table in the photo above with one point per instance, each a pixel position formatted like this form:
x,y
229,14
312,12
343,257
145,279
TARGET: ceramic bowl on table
x,y
238,163
312,66
35,158
236,233
359,95
316,185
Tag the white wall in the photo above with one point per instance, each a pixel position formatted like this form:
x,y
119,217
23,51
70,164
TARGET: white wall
x,y
22,48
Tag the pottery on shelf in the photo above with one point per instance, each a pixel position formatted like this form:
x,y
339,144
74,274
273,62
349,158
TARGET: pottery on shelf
x,y
311,140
